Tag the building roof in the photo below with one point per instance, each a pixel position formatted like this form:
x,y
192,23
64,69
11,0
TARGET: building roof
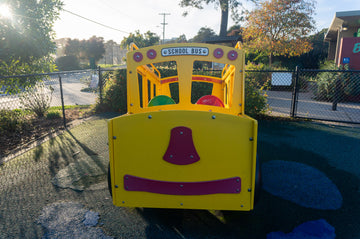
x,y
342,19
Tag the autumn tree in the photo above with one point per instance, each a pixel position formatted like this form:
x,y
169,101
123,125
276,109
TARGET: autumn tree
x,y
224,6
280,27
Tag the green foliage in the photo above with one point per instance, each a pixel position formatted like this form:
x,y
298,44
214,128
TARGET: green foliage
x,y
203,34
67,63
140,40
37,99
312,59
26,41
12,121
259,74
224,6
255,99
83,50
255,83
53,115
115,90
114,98
340,86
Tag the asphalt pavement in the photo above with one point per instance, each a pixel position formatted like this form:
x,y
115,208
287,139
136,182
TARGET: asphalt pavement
x,y
311,188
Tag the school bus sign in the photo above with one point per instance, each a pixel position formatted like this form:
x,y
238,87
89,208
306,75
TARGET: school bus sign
x,y
350,52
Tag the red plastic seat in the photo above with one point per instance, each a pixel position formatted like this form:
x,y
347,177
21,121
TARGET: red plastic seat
x,y
210,100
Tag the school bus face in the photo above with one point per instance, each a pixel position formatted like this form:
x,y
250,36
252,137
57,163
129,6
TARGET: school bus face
x,y
179,153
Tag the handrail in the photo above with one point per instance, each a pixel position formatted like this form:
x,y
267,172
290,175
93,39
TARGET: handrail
x,y
134,46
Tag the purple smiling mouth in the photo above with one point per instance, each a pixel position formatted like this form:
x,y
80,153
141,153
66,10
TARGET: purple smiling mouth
x,y
228,185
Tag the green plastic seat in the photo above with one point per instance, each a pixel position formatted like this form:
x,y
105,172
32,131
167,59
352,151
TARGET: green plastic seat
x,y
161,100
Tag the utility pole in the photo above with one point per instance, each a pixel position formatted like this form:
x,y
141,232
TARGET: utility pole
x,y
164,23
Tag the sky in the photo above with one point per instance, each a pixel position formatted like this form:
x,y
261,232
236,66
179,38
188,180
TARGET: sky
x,y
144,15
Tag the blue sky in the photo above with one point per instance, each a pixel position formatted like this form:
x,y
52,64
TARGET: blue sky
x,y
129,16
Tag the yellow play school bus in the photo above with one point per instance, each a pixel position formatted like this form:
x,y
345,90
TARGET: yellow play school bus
x,y
173,151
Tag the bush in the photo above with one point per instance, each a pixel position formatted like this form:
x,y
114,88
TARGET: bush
x,y
67,63
53,115
37,99
259,74
341,85
12,121
255,99
114,98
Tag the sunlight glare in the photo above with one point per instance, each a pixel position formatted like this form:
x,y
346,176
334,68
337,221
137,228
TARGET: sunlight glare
x,y
5,11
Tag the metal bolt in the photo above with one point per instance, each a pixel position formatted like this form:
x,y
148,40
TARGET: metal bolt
x,y
181,132
126,178
191,156
123,201
251,139
114,137
237,190
240,104
181,185
213,117
240,71
237,180
130,72
249,189
181,204
171,156
131,104
242,206
116,186
150,117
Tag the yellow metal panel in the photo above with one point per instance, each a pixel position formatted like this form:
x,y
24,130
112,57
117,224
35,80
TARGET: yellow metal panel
x,y
221,140
185,66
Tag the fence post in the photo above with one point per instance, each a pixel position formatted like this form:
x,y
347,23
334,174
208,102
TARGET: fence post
x,y
295,93
100,85
337,92
62,101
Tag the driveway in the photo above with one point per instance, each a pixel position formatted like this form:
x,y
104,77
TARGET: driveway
x,y
72,83
63,182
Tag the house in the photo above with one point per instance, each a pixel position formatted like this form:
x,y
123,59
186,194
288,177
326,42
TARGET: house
x,y
344,39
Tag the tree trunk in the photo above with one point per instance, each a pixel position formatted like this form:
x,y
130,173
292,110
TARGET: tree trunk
x,y
224,5
270,59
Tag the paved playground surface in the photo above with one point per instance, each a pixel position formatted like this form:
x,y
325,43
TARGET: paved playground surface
x,y
312,186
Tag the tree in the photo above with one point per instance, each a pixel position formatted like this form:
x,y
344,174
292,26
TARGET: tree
x,y
95,48
180,39
312,59
26,41
203,34
75,47
141,40
280,27
224,5
84,50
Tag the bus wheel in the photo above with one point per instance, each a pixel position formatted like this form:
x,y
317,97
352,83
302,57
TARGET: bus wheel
x,y
258,182
109,181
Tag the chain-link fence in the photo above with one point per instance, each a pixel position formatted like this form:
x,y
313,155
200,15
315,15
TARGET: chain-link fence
x,y
329,95
332,95
53,89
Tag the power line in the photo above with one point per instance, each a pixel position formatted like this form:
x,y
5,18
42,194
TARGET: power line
x,y
103,25
164,23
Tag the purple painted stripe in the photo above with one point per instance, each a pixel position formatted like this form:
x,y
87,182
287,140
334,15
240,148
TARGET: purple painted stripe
x,y
228,185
